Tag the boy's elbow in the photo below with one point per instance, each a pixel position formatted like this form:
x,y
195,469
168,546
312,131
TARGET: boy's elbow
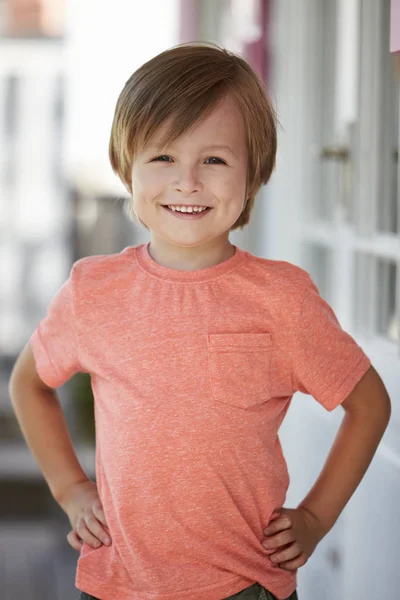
x,y
370,398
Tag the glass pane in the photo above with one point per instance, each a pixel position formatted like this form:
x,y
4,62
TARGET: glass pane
x,y
10,128
326,200
363,286
317,260
387,208
387,319
374,309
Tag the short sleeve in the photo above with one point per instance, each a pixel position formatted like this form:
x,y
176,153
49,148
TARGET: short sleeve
x,y
54,341
327,362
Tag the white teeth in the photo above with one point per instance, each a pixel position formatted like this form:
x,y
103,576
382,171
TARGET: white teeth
x,y
188,209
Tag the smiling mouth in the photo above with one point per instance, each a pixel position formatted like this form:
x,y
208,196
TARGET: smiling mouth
x,y
187,209
187,213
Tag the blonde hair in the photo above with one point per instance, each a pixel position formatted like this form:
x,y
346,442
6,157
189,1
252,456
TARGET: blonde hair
x,y
185,83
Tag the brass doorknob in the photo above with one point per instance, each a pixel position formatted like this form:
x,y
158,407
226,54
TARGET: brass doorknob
x,y
335,153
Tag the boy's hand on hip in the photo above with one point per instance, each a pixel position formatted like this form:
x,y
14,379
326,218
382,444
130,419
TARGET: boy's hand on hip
x,y
82,504
292,537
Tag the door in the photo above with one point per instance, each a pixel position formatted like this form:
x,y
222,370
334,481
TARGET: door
x,y
335,212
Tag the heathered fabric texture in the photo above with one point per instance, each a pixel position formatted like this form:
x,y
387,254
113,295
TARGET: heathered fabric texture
x,y
192,373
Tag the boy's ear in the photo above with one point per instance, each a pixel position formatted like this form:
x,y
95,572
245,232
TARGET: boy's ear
x,y
249,193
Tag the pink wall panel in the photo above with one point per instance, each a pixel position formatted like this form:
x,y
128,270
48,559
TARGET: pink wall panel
x,y
395,26
189,10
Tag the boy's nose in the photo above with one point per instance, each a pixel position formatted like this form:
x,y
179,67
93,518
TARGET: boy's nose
x,y
187,181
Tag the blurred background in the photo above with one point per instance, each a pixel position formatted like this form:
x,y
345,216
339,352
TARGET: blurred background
x,y
332,207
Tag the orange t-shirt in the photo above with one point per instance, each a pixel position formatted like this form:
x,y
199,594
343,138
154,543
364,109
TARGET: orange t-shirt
x,y
192,374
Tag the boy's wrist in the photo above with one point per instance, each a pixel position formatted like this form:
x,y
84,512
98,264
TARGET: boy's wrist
x,y
324,524
62,493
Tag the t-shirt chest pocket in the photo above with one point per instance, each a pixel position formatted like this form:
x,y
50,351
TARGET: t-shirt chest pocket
x,y
239,367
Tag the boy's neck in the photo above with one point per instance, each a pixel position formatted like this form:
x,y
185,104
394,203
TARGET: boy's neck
x,y
190,259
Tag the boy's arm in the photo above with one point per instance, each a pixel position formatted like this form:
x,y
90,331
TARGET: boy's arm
x,y
293,536
43,425
367,413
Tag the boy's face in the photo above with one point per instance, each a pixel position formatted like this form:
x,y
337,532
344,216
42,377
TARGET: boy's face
x,y
205,167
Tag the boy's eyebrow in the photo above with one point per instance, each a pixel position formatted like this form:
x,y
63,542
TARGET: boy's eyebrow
x,y
160,147
220,147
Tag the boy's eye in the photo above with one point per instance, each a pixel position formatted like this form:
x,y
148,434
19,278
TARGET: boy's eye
x,y
162,158
214,160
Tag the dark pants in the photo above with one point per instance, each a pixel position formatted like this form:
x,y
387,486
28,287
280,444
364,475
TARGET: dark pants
x,y
254,592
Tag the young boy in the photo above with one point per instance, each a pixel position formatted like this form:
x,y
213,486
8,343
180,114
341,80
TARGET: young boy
x,y
195,349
